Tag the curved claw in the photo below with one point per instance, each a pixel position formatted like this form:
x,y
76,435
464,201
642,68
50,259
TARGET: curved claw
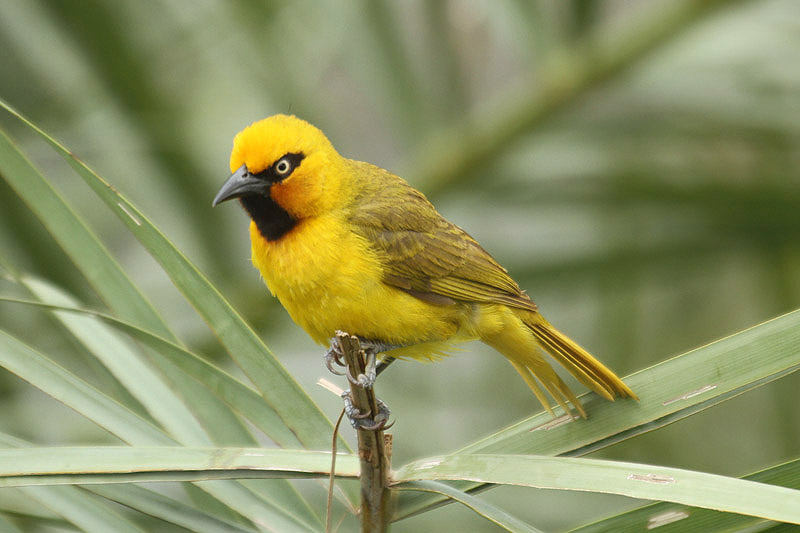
x,y
364,420
362,416
329,363
366,380
350,378
334,355
377,426
362,380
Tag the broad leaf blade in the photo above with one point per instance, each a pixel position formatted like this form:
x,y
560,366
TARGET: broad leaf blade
x,y
7,526
84,511
72,391
104,274
278,387
165,508
259,508
239,396
108,279
485,509
669,391
71,503
145,384
107,413
79,242
698,489
672,518
120,464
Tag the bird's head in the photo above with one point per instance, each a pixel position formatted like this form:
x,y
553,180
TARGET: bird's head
x,y
284,170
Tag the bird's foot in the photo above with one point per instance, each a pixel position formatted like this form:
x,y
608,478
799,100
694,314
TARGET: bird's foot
x,y
365,420
376,346
334,356
381,347
367,379
373,367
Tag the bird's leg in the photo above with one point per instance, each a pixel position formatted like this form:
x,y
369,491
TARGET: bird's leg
x,y
359,357
371,350
362,420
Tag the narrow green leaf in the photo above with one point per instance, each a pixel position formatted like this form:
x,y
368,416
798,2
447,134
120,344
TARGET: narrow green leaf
x,y
669,391
247,503
126,365
237,395
103,272
697,489
483,508
71,503
272,490
80,243
81,509
261,512
168,509
278,387
121,464
201,500
672,518
7,526
276,384
218,419
778,528
15,503
108,279
241,396
72,391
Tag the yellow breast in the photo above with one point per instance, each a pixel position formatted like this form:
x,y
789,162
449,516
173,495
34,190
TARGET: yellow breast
x,y
328,279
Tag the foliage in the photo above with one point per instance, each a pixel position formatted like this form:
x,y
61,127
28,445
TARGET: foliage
x,y
634,167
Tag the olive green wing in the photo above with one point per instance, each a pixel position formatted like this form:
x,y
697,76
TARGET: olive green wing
x,y
423,253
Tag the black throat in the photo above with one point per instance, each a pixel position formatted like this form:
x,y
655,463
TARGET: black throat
x,y
272,221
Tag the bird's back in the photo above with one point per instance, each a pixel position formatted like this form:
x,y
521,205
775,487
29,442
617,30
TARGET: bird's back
x,y
421,252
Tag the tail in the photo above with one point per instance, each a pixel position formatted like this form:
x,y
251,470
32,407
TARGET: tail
x,y
519,341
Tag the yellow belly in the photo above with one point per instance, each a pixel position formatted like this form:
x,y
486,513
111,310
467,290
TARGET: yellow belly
x,y
329,279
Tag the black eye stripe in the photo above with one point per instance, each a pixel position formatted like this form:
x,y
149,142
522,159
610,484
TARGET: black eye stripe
x,y
271,174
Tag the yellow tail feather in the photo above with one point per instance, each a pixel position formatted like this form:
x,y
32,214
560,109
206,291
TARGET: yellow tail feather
x,y
576,360
525,333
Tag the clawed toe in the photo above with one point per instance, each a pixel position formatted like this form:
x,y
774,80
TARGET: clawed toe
x,y
367,379
364,420
345,347
334,356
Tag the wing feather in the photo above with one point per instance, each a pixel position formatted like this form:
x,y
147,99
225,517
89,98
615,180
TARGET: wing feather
x,y
423,253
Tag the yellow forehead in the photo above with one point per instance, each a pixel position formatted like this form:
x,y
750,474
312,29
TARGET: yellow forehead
x,y
262,143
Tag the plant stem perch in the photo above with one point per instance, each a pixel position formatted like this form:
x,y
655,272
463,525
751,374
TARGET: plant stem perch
x,y
373,445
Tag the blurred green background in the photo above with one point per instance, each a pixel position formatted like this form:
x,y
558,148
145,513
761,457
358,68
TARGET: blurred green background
x,y
635,166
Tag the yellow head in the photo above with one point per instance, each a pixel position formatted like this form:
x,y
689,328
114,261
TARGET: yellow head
x,y
284,170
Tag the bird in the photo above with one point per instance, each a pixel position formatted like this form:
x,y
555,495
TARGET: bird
x,y
348,246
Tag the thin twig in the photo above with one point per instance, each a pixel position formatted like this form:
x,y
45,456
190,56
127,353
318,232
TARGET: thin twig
x,y
329,508
375,463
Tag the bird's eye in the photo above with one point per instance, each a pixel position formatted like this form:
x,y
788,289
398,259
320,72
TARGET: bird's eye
x,y
283,167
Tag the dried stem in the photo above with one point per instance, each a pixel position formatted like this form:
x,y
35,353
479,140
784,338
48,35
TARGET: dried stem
x,y
376,507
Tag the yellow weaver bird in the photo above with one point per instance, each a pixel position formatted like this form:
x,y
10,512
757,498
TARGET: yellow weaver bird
x,y
346,245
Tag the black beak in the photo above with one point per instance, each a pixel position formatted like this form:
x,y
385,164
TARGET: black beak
x,y
241,183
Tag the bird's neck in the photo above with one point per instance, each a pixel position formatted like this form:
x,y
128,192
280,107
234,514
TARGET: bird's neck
x,y
272,220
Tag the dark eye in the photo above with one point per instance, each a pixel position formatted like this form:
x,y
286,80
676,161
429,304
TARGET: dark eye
x,y
283,167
